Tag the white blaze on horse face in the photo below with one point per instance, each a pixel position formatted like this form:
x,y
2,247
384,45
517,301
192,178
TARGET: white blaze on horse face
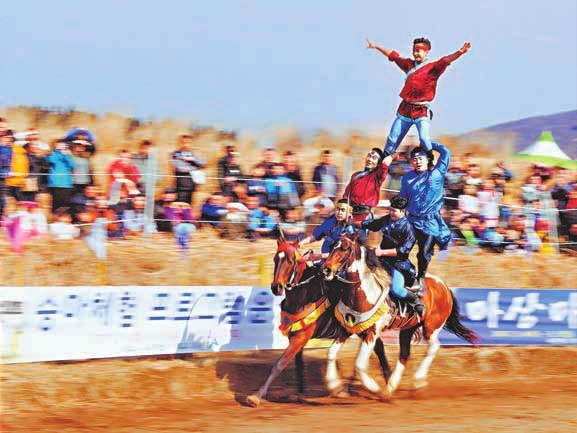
x,y
281,255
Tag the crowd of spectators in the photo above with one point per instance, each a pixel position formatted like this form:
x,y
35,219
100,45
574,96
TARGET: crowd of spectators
x,y
483,210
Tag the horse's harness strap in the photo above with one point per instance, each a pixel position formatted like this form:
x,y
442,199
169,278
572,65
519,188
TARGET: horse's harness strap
x,y
297,322
356,322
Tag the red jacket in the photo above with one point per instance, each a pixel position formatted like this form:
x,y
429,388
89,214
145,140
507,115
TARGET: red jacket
x,y
420,84
364,188
130,171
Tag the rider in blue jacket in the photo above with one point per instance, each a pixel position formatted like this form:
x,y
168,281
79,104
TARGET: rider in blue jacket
x,y
331,229
398,239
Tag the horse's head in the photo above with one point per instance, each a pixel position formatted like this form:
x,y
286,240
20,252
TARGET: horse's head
x,y
289,265
345,251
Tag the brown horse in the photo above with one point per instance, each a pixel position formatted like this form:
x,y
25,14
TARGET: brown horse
x,y
306,312
366,309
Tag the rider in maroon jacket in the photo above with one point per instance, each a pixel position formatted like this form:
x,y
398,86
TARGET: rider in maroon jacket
x,y
363,190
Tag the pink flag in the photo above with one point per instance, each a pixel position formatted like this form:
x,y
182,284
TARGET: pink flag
x,y
15,234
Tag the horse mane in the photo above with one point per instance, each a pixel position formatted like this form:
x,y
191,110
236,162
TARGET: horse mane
x,y
374,265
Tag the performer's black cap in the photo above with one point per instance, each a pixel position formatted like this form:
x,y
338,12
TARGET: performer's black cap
x,y
378,151
398,202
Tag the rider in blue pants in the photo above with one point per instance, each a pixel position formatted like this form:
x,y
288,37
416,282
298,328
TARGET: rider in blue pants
x,y
398,238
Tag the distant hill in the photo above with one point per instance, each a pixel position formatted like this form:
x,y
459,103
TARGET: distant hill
x,y
521,133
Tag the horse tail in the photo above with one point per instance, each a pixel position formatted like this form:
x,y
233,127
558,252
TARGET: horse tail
x,y
454,325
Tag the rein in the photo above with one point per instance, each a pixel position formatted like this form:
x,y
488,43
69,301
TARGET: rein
x,y
342,279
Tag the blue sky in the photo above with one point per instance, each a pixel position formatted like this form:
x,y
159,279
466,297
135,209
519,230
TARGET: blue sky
x,y
260,64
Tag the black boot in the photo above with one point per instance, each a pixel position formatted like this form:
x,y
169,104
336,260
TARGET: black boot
x,y
416,302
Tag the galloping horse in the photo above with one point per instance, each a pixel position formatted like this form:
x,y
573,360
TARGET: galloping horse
x,y
306,312
366,309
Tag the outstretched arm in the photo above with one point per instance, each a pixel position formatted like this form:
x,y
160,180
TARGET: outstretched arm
x,y
384,51
452,57
444,157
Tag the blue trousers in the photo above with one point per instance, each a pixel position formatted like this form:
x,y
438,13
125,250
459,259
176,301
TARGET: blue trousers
x,y
401,126
398,284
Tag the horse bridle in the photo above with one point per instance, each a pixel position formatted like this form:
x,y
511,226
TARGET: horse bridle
x,y
337,276
293,274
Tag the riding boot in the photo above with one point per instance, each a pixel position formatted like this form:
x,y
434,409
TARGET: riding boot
x,y
416,302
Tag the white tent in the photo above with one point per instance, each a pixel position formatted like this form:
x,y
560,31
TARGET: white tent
x,y
545,146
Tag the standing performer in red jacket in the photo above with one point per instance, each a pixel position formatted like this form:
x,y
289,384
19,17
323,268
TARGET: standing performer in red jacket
x,y
363,190
418,91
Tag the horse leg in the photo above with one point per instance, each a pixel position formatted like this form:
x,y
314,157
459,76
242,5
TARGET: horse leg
x,y
300,370
362,363
296,344
380,351
332,379
423,370
405,337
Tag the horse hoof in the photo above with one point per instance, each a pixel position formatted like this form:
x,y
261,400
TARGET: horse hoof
x,y
253,401
385,395
420,384
340,394
296,398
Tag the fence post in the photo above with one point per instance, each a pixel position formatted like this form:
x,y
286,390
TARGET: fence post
x,y
263,277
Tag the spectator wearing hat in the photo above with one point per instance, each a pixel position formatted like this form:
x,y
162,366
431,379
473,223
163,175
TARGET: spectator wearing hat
x,y
397,240
84,135
33,140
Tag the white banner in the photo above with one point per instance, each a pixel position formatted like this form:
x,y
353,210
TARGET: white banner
x,y
65,323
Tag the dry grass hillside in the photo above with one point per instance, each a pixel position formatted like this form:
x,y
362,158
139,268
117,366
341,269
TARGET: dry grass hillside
x,y
216,261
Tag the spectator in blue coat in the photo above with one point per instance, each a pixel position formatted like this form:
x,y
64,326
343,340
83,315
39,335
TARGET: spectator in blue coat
x,y
60,180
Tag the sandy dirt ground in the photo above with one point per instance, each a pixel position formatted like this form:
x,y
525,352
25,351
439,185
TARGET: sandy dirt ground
x,y
470,390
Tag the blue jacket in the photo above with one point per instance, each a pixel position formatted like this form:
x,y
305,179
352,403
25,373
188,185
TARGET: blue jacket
x,y
331,230
61,166
279,186
399,235
425,195
5,159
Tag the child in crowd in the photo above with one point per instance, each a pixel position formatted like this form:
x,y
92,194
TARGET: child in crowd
x,y
62,228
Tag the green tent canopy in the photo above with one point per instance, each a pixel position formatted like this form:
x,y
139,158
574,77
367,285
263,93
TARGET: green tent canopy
x,y
546,151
